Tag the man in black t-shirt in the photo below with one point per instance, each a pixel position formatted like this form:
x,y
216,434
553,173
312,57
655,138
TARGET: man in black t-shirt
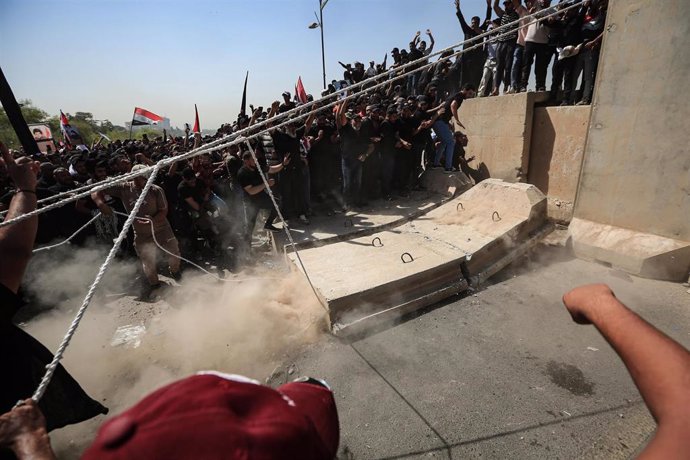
x,y
255,195
442,128
355,147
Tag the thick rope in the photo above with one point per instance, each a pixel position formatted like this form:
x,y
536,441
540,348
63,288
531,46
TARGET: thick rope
x,y
50,368
286,228
46,248
235,139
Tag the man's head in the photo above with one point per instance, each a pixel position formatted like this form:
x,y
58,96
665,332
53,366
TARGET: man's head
x,y
248,160
468,91
422,103
422,45
62,176
100,171
286,96
392,113
139,181
355,120
508,5
475,22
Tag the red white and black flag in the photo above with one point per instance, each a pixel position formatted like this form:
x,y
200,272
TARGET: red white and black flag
x,y
144,117
70,133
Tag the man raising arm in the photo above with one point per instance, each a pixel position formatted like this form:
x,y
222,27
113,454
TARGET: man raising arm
x,y
659,366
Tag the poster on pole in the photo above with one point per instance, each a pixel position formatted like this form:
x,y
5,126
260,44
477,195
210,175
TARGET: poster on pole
x,y
43,137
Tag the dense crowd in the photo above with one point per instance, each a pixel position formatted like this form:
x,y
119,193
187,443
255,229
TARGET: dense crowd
x,y
375,145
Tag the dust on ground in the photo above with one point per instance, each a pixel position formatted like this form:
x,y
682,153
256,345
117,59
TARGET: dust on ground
x,y
248,325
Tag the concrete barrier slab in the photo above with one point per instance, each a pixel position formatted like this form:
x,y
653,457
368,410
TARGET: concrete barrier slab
x,y
641,254
398,270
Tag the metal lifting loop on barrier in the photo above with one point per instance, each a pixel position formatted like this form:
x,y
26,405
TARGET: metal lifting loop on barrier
x,y
402,257
348,223
373,242
495,216
459,207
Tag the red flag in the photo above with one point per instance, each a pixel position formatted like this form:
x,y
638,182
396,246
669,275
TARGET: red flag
x,y
301,93
197,128
144,117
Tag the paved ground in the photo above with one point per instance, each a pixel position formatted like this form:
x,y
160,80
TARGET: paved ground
x,y
503,373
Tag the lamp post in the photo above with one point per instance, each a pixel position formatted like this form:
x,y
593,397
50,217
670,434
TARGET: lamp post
x,y
319,25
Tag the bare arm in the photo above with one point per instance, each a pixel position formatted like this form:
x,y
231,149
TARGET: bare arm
x,y
341,119
499,11
17,240
658,365
466,29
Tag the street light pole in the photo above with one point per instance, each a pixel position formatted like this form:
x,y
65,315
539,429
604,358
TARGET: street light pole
x,y
323,48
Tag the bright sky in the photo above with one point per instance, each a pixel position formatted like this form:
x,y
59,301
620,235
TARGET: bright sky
x,y
107,56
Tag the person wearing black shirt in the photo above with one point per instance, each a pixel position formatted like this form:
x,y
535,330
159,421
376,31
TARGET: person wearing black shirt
x,y
323,158
287,143
355,148
442,128
287,103
473,60
390,140
255,195
588,59
506,44
570,35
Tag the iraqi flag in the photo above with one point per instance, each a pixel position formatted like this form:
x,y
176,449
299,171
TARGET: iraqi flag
x,y
300,92
197,128
144,117
70,133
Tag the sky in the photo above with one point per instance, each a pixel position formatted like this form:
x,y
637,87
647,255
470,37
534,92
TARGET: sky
x,y
108,56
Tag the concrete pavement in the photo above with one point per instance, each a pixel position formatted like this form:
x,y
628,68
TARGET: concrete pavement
x,y
503,373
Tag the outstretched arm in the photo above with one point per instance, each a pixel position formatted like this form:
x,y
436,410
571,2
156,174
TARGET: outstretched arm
x,y
658,365
466,29
17,240
499,11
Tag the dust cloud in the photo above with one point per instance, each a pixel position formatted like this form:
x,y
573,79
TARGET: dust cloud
x,y
247,328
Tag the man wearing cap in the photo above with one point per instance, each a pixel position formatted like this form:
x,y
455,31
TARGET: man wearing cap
x,y
210,415
287,104
151,227
355,147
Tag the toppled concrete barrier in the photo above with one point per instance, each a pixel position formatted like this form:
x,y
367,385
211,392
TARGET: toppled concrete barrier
x,y
373,279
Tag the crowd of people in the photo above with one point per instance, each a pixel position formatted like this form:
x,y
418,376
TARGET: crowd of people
x,y
375,145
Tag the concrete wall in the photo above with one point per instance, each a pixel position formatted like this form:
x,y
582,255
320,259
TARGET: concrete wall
x,y
555,156
636,171
499,130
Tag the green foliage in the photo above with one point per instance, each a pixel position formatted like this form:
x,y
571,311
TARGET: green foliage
x,y
83,121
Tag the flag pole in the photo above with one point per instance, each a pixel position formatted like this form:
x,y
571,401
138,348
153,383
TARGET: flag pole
x,y
132,123
323,48
14,114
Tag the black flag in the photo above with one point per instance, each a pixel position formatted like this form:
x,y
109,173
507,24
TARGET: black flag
x,y
243,109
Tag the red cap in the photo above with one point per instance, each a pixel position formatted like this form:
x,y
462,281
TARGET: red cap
x,y
212,417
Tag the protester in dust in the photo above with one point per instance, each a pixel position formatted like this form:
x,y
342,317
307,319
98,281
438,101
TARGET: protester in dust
x,y
152,231
22,358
